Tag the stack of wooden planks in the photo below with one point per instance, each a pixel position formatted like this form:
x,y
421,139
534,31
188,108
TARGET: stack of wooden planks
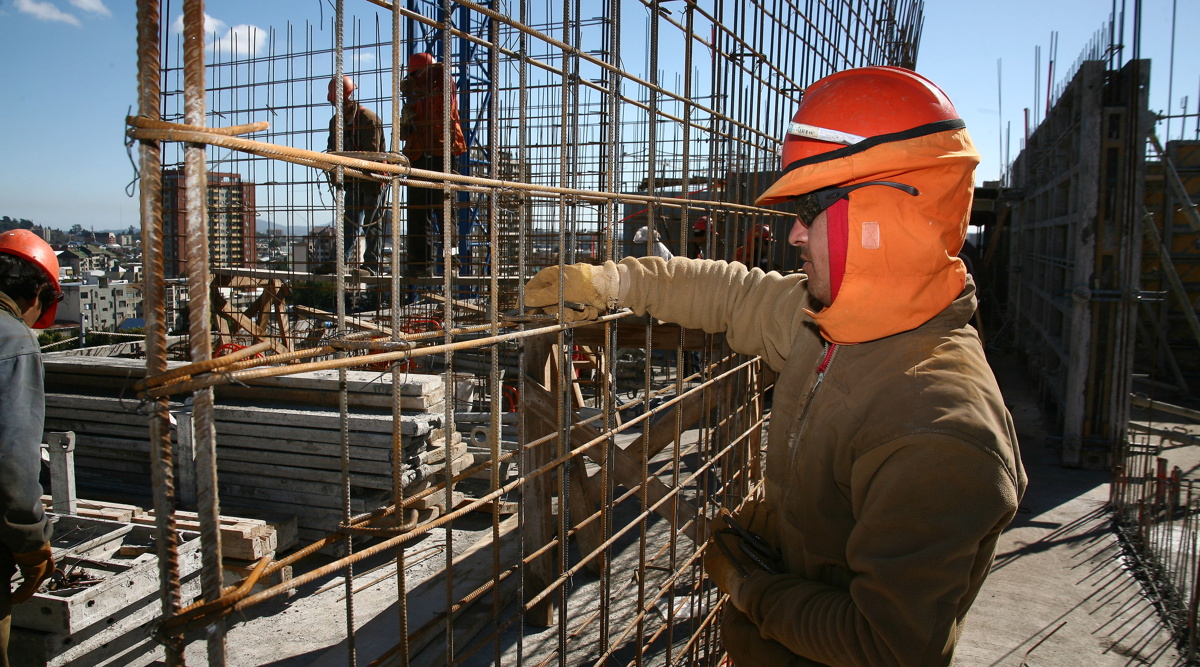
x,y
242,538
279,440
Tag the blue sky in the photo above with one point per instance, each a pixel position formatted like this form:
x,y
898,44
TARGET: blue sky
x,y
70,71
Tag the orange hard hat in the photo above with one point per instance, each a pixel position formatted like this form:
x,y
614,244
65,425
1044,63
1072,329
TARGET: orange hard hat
x,y
854,105
419,61
29,247
348,88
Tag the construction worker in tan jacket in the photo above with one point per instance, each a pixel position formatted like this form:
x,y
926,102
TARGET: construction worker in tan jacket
x,y
892,463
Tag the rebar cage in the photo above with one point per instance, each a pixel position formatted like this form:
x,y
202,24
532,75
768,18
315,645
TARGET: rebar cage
x,y
594,452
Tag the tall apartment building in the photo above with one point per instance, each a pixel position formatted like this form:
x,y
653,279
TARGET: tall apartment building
x,y
231,215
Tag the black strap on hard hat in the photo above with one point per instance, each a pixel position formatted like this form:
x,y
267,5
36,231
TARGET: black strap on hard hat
x,y
813,203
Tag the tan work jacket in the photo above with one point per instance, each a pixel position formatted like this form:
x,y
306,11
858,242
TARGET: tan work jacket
x,y
892,473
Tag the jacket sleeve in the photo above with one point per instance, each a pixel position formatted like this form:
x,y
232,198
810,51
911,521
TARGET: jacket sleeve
x,y
24,526
912,554
760,313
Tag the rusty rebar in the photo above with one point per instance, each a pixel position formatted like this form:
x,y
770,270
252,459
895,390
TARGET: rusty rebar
x,y
150,199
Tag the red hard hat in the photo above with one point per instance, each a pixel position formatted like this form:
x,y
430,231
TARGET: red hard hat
x,y
26,245
701,225
347,88
419,60
759,231
856,104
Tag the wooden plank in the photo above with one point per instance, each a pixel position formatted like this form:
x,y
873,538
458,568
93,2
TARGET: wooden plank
x,y
374,455
77,373
222,309
99,510
356,322
662,431
538,530
332,463
633,334
283,523
246,539
426,603
324,397
263,465
627,469
411,424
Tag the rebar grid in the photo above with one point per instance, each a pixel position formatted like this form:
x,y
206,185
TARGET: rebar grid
x,y
1156,511
578,134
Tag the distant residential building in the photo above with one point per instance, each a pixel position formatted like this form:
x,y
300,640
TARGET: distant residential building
x,y
231,221
98,304
176,298
78,260
318,248
52,236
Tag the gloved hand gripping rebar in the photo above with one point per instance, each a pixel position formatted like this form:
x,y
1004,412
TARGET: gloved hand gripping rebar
x,y
754,546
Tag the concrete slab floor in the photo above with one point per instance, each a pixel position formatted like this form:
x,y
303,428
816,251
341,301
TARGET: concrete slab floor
x,y
1060,591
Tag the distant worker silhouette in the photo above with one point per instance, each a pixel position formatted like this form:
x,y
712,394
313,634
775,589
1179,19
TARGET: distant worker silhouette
x,y
362,132
425,143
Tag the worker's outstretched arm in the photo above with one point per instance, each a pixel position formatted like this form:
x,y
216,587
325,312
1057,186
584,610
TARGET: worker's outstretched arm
x,y
760,313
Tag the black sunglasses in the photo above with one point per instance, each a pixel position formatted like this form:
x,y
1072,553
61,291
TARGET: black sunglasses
x,y
810,205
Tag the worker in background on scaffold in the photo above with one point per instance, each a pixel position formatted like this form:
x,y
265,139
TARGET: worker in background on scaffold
x,y
425,144
365,200
758,248
892,464
698,245
29,296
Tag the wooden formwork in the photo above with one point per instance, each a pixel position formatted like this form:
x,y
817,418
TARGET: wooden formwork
x,y
1169,354
1075,255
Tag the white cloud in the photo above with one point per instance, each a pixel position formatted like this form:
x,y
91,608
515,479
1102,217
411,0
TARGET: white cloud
x,y
45,11
220,37
241,40
94,6
211,25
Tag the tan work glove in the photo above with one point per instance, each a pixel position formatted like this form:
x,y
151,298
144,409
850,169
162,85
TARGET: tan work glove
x,y
588,290
741,547
36,567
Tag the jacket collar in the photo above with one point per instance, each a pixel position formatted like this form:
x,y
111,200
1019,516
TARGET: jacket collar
x,y
9,306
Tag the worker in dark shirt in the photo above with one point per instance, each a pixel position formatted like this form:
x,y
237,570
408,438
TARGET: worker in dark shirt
x,y
29,295
364,202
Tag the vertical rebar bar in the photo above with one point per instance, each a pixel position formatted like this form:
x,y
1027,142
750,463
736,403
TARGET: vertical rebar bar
x,y
200,334
154,294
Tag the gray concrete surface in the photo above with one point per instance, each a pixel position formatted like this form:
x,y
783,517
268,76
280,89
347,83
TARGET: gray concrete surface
x,y
1060,592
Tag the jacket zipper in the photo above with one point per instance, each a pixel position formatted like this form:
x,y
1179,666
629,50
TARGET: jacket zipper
x,y
830,351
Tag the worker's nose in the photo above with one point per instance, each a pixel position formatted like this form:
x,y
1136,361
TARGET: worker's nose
x,y
799,234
